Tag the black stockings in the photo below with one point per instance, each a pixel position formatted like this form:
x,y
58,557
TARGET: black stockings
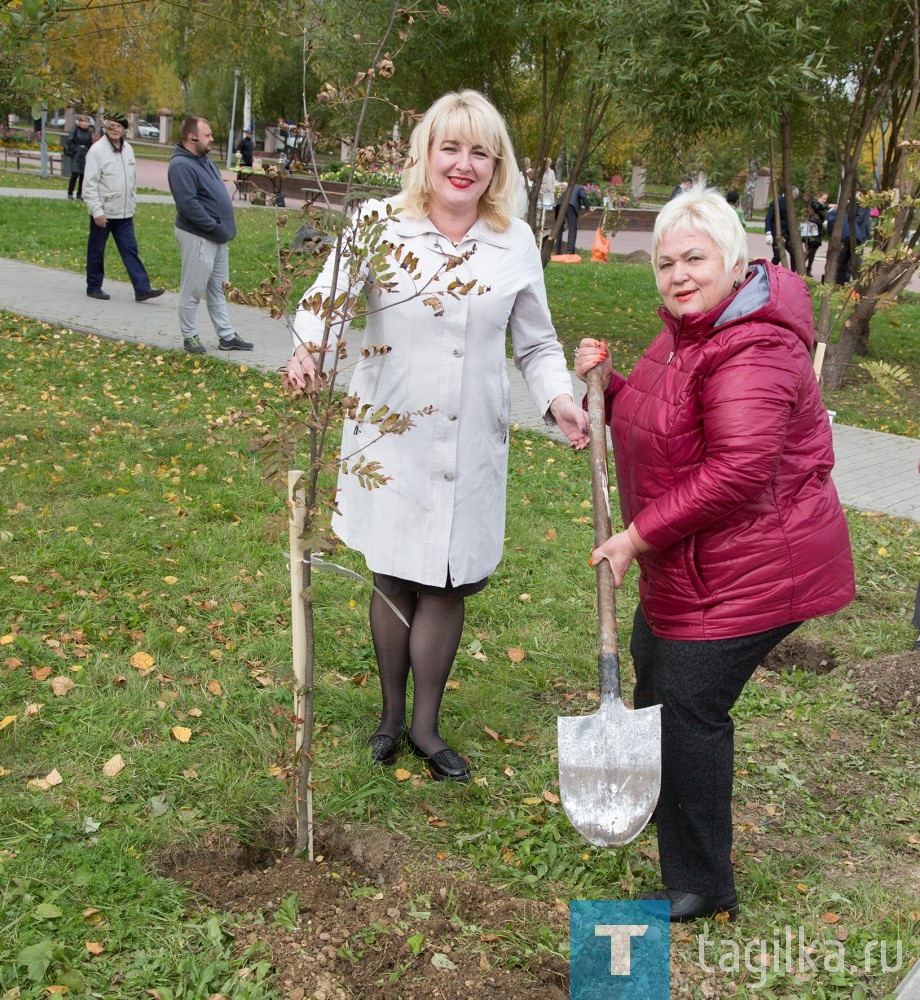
x,y
428,648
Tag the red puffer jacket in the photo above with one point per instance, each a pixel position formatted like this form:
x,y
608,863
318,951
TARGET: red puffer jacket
x,y
723,455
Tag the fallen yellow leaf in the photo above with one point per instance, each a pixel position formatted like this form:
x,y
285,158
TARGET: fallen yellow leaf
x,y
195,713
182,734
551,797
401,774
57,991
831,918
5,640
213,687
49,781
94,947
114,765
61,686
6,721
142,661
516,654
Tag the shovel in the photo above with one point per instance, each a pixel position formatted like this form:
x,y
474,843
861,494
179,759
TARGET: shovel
x,y
609,762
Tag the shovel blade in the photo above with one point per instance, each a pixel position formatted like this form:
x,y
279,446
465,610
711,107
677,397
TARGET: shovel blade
x,y
610,771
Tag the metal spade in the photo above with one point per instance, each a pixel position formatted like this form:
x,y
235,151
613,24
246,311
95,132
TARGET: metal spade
x,y
609,762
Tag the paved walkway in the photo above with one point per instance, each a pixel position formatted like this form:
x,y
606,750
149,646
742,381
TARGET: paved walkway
x,y
874,471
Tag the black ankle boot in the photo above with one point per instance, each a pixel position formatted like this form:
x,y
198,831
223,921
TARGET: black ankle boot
x,y
690,906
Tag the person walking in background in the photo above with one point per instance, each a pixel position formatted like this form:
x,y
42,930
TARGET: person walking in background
x,y
434,534
76,146
110,192
735,201
723,455
778,222
245,148
577,202
813,229
848,261
686,182
205,224
548,186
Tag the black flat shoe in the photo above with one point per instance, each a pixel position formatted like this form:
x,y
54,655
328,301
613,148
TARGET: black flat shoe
x,y
385,748
98,293
445,765
690,906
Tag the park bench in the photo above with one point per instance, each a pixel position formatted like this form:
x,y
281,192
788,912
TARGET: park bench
x,y
33,155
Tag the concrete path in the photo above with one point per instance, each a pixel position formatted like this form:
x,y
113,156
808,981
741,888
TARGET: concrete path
x,y
874,471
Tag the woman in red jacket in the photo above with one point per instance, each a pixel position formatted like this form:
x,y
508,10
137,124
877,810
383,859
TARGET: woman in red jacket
x,y
723,455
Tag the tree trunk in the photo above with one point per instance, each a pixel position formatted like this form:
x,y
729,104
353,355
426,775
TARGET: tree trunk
x,y
794,247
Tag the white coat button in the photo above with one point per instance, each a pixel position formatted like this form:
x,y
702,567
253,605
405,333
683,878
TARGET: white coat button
x,y
449,476
453,416
458,352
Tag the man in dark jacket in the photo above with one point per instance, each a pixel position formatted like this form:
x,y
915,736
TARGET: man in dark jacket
x,y
577,202
861,233
204,226
772,225
245,149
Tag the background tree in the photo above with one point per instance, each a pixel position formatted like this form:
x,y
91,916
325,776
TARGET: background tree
x,y
881,79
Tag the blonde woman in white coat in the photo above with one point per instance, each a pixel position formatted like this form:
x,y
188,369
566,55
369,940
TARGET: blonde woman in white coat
x,y
433,534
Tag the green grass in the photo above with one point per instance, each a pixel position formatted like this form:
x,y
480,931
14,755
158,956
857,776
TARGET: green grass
x,y
616,302
132,521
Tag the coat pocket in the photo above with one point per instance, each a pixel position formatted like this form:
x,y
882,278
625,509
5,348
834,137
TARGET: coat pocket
x,y
692,567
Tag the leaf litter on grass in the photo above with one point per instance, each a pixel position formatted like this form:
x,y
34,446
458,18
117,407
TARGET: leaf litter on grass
x,y
119,460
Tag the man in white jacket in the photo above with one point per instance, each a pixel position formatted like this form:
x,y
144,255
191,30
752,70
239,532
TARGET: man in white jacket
x,y
109,190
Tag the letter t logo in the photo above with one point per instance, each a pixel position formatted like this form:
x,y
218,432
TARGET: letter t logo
x,y
620,936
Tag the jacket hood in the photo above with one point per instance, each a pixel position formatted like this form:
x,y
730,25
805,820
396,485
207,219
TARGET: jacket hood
x,y
769,294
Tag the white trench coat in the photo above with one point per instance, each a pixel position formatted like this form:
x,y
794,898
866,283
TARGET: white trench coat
x,y
443,508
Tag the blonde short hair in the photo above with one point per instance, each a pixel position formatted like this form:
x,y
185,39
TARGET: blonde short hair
x,y
466,116
704,210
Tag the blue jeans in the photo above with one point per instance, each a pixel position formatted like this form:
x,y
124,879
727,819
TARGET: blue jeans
x,y
122,231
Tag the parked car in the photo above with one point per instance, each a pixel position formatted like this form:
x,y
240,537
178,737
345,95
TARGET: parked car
x,y
147,131
57,122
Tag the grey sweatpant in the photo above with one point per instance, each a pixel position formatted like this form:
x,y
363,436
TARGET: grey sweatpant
x,y
205,269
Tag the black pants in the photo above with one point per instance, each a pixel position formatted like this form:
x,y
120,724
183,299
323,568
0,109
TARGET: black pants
x,y
571,219
75,182
696,683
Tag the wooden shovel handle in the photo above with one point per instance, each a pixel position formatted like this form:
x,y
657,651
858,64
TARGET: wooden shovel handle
x,y
608,659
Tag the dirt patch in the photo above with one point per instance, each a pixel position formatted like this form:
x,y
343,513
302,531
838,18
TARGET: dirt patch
x,y
795,653
369,920
889,681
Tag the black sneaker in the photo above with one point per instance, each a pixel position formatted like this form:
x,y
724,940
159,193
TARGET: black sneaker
x,y
234,343
151,293
193,345
98,293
